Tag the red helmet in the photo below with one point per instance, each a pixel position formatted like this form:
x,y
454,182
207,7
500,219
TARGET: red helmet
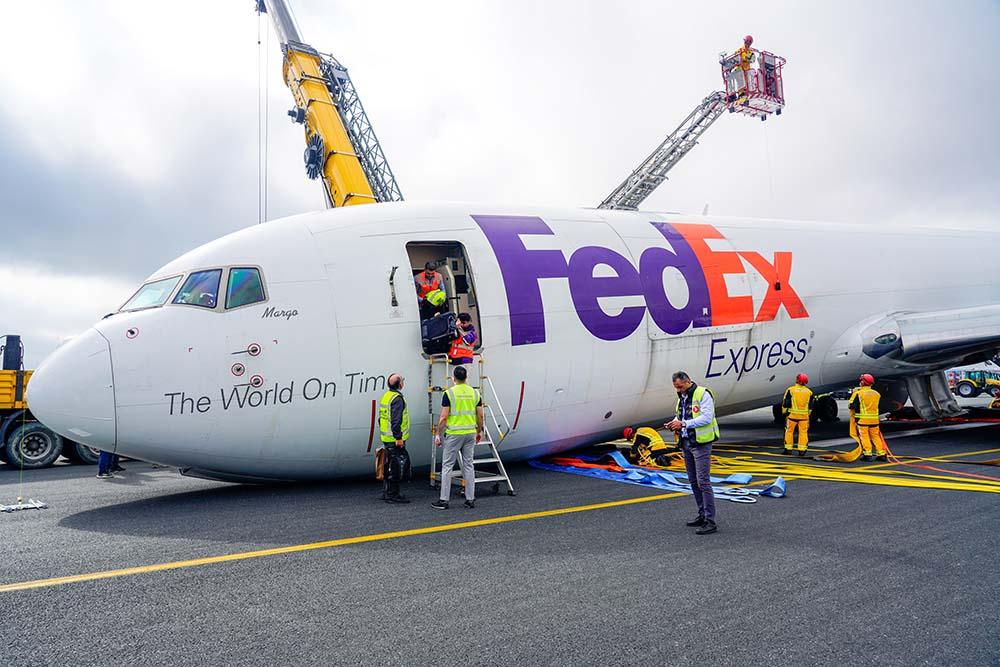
x,y
802,378
627,433
748,40
867,380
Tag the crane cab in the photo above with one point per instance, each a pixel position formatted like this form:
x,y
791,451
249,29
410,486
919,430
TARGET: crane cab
x,y
753,82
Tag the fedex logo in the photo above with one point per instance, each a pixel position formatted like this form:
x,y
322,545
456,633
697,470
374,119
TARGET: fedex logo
x,y
703,269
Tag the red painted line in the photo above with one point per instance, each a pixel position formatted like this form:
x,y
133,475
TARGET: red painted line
x,y
371,428
520,402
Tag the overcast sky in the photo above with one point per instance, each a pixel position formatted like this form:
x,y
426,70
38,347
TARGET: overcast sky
x,y
128,130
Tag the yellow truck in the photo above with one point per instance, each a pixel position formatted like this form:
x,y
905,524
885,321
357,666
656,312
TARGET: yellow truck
x,y
970,384
24,441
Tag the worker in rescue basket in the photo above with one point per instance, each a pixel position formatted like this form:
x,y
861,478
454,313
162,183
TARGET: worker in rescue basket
x,y
394,428
864,410
746,53
798,405
648,448
430,291
464,346
696,428
462,423
746,56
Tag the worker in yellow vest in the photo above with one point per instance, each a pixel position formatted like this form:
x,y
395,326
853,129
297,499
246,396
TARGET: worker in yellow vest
x,y
864,410
798,405
394,429
462,423
696,428
648,448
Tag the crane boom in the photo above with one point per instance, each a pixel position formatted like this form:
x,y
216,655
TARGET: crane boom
x,y
341,146
653,170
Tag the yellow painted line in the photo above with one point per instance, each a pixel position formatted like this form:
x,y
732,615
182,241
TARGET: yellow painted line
x,y
328,544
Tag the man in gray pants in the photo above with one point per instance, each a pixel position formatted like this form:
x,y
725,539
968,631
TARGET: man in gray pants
x,y
462,423
696,428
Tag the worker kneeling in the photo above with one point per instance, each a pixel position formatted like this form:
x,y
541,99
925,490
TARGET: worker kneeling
x,y
864,410
648,448
798,405
462,423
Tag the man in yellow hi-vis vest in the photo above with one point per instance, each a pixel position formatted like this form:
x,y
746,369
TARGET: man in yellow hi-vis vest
x,y
696,428
798,405
864,411
462,423
394,429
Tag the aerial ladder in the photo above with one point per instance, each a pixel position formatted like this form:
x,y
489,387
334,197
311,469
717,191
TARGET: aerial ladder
x,y
341,146
753,86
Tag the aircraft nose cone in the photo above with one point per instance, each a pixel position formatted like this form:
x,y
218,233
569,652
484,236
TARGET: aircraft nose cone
x,y
72,391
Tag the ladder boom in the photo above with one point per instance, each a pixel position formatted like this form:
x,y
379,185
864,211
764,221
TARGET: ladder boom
x,y
653,170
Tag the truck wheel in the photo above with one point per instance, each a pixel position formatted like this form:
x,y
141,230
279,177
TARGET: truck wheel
x,y
32,446
994,392
79,453
826,408
967,389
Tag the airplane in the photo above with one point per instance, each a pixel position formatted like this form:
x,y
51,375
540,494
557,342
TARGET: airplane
x,y
259,356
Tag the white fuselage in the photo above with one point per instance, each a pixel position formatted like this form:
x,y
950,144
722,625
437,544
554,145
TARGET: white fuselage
x,y
583,314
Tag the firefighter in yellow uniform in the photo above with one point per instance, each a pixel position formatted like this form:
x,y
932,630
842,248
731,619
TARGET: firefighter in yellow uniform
x,y
648,448
864,411
746,56
798,405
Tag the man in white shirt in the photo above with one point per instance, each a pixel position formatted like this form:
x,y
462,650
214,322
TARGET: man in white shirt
x,y
696,428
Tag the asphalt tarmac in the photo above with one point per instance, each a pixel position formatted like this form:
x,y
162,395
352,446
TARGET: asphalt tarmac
x,y
833,574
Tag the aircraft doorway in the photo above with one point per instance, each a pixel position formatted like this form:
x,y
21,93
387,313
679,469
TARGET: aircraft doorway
x,y
450,272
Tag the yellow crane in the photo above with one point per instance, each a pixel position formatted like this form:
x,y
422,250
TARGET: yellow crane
x,y
341,146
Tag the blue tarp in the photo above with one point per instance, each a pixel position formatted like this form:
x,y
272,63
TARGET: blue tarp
x,y
668,481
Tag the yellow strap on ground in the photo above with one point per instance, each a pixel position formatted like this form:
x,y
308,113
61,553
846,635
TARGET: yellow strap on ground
x,y
841,457
878,474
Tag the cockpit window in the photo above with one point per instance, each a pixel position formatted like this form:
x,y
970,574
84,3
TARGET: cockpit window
x,y
245,287
200,289
151,295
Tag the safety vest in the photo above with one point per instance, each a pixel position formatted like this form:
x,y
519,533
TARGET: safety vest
x,y
746,57
384,414
424,286
436,297
709,432
800,402
867,413
462,402
460,349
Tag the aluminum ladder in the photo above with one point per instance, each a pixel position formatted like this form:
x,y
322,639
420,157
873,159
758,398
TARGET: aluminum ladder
x,y
648,176
496,426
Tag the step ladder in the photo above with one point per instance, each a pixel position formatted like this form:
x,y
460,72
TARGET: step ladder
x,y
487,464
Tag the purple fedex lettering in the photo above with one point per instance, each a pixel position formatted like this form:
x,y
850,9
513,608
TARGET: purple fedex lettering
x,y
586,289
521,270
653,262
